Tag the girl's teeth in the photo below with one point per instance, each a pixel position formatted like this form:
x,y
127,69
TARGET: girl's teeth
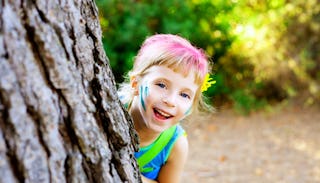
x,y
163,114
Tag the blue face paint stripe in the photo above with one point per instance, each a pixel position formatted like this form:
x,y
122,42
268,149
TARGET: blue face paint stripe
x,y
146,91
188,111
141,99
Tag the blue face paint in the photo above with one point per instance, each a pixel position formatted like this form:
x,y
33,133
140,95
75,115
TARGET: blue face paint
x,y
141,98
188,111
146,91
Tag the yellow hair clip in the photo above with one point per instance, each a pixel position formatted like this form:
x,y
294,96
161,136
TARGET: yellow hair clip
x,y
207,83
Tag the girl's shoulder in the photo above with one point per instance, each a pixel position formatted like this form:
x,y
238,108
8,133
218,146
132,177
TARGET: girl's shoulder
x,y
174,139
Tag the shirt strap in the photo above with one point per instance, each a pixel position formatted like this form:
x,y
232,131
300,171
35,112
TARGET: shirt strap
x,y
157,147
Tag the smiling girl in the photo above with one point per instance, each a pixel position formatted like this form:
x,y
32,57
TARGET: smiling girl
x,y
164,87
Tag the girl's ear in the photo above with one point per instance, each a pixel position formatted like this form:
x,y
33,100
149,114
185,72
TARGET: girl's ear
x,y
134,85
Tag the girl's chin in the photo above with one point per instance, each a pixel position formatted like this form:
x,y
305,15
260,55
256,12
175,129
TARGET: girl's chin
x,y
158,128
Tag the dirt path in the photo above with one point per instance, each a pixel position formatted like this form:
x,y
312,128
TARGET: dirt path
x,y
274,147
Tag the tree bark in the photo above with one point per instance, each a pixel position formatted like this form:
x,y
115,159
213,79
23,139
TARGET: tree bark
x,y
60,116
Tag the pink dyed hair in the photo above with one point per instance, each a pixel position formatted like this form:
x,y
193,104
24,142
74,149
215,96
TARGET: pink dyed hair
x,y
172,51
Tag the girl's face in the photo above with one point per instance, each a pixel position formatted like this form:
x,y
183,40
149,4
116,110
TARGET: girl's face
x,y
164,97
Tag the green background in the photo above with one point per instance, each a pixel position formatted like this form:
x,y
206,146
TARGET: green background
x,y
263,52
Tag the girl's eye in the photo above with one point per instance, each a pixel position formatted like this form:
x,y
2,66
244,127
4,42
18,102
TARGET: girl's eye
x,y
184,95
161,85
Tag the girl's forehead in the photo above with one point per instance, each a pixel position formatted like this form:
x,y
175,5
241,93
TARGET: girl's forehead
x,y
164,72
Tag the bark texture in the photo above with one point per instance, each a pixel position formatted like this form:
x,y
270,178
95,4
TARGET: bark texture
x,y
60,116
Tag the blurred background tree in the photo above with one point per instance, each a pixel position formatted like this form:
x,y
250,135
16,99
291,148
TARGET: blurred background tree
x,y
263,52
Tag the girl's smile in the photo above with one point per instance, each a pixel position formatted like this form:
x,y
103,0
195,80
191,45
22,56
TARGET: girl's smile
x,y
161,114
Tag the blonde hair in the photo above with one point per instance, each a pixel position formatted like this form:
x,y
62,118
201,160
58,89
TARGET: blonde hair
x,y
174,52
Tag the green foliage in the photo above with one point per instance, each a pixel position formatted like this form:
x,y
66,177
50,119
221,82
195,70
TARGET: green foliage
x,y
244,101
263,51
280,44
126,24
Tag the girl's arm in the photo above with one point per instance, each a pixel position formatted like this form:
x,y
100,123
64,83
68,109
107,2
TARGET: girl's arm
x,y
146,180
171,172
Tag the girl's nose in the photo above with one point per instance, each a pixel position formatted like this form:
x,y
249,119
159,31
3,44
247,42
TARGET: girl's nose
x,y
169,100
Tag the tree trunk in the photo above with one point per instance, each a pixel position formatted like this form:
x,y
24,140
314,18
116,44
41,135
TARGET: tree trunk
x,y
60,116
